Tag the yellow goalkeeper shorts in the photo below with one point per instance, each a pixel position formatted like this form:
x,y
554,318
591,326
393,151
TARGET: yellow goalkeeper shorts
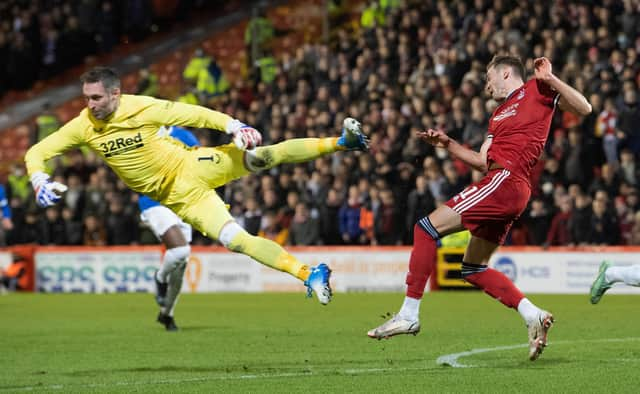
x,y
192,196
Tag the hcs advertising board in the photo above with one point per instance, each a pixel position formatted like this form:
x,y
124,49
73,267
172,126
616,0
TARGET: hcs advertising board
x,y
559,272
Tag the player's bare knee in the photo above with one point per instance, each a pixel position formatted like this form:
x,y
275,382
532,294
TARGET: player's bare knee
x,y
228,233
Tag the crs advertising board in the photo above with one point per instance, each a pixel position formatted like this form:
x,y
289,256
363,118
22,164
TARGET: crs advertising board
x,y
559,272
97,271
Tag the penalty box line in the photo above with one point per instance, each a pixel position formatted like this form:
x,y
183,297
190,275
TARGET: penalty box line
x,y
451,360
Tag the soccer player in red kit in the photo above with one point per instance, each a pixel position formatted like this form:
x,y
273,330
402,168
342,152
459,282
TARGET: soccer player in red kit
x,y
517,133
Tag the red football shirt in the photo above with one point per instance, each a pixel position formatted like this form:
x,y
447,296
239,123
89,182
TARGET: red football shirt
x,y
520,126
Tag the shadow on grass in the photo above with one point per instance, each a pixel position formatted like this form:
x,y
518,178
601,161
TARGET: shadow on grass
x,y
204,328
347,367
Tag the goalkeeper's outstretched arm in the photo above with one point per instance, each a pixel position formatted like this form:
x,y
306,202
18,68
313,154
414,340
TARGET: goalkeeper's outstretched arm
x,y
182,114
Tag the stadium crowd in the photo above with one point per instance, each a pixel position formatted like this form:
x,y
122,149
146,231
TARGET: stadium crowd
x,y
40,39
416,65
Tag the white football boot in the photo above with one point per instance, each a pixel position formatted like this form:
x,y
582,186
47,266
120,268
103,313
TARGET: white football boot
x,y
395,326
538,330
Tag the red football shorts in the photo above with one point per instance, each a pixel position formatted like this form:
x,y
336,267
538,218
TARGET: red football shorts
x,y
489,207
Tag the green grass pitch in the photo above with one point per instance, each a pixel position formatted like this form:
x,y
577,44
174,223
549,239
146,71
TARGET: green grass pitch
x,y
281,343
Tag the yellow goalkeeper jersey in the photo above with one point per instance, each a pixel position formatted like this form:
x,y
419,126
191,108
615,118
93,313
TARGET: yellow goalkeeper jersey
x,y
128,141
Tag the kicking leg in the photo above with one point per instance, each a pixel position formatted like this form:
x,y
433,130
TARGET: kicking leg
x,y
422,263
475,270
305,149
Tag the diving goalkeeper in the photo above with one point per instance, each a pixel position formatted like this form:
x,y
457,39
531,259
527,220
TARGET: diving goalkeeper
x,y
122,129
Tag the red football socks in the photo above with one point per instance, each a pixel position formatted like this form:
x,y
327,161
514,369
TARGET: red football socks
x,y
497,285
422,262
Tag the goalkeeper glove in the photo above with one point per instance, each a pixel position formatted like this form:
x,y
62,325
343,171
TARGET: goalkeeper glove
x,y
47,193
245,137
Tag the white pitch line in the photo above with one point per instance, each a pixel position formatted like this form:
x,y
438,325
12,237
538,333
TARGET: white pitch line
x,y
448,359
452,359
214,378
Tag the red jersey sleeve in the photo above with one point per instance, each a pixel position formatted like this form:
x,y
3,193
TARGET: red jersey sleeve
x,y
548,96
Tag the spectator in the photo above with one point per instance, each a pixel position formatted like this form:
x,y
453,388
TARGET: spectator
x,y
50,57
628,168
106,30
252,216
559,233
46,123
538,222
389,227
625,219
72,227
94,233
580,221
6,222
349,216
21,65
304,228
271,229
259,32
147,83
606,128
206,75
435,179
577,160
328,212
603,229
372,16
607,181
635,230
453,182
53,228
629,120
14,277
121,228
30,230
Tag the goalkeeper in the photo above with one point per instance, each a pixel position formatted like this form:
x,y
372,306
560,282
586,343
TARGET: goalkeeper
x,y
122,129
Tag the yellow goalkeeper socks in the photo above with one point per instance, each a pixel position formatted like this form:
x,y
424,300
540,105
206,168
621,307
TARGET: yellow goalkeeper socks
x,y
269,253
296,150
